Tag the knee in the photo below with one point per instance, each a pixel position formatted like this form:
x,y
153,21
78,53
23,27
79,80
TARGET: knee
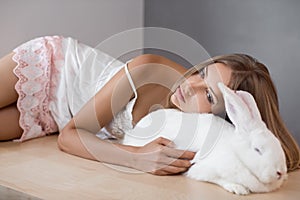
x,y
63,140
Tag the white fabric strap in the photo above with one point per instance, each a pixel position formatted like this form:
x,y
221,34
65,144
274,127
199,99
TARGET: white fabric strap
x,y
130,79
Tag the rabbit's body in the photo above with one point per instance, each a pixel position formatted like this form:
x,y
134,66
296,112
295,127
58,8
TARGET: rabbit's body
x,y
171,124
241,158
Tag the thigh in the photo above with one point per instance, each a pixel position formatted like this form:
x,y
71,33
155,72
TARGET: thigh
x,y
8,80
9,123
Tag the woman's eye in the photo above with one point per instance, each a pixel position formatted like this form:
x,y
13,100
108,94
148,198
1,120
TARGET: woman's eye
x,y
202,73
209,97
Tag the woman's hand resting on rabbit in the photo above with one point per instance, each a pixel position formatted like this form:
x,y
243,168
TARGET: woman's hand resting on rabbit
x,y
159,157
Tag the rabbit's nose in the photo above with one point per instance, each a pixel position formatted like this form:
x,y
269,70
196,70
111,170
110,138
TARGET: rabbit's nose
x,y
279,174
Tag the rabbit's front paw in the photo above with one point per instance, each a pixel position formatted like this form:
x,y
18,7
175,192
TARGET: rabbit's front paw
x,y
235,188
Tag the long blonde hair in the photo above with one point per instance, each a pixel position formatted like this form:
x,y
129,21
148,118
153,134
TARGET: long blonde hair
x,y
252,76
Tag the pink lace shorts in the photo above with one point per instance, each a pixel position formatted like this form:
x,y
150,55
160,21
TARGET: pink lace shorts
x,y
36,66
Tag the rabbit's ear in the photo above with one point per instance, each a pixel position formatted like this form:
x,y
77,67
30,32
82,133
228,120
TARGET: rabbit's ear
x,y
240,107
251,104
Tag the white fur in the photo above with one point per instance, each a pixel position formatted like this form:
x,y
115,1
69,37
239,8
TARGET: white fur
x,y
226,154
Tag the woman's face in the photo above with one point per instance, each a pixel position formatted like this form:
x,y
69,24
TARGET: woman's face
x,y
200,93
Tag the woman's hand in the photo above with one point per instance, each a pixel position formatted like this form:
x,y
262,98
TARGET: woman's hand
x,y
160,158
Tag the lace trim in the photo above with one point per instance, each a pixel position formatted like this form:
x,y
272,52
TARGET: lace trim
x,y
35,60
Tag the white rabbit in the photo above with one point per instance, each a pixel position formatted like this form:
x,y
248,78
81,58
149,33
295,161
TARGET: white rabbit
x,y
242,158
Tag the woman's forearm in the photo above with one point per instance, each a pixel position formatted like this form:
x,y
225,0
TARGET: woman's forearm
x,y
157,157
84,144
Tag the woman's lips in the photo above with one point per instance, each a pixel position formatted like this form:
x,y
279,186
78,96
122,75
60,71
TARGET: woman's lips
x,y
179,94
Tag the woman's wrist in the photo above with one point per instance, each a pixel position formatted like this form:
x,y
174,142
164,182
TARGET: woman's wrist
x,y
130,153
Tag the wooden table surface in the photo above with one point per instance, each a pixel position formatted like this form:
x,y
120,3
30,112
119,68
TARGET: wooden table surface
x,y
37,169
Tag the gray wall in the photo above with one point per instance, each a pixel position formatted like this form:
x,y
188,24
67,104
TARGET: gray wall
x,y
266,29
90,21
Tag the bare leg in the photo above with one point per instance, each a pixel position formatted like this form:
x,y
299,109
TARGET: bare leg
x,y
9,114
9,123
8,94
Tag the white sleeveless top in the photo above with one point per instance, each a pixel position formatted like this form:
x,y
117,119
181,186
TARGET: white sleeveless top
x,y
86,71
123,121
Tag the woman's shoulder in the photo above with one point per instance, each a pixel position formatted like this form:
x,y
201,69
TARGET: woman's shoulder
x,y
152,67
154,60
155,69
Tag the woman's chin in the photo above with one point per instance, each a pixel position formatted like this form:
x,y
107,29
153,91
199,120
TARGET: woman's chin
x,y
175,102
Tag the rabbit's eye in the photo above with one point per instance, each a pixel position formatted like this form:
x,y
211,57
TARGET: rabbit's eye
x,y
258,151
